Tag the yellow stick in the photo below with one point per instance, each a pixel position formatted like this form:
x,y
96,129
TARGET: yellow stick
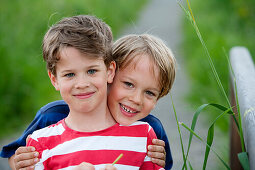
x,y
117,159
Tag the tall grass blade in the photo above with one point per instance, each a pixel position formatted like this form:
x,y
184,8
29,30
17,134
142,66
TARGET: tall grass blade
x,y
209,141
207,54
210,135
191,131
191,14
239,124
192,20
194,121
178,126
190,167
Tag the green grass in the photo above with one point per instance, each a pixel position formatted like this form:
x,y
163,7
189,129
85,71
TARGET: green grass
x,y
24,84
222,23
243,156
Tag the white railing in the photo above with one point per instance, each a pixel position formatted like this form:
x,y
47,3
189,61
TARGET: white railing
x,y
244,71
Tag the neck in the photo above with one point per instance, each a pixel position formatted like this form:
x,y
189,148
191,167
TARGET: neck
x,y
96,120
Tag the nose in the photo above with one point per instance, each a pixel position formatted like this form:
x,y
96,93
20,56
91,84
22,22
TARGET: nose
x,y
82,82
136,97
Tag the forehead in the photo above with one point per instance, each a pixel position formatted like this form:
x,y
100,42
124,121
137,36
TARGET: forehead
x,y
71,57
142,65
142,62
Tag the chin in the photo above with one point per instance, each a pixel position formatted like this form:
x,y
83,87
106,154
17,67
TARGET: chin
x,y
125,122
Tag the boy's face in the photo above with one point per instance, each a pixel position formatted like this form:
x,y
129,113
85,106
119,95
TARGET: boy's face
x,y
82,80
134,91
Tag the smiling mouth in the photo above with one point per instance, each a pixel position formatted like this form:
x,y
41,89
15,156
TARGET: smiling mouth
x,y
128,110
84,95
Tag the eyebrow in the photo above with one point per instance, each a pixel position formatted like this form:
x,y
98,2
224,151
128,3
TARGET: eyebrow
x,y
95,65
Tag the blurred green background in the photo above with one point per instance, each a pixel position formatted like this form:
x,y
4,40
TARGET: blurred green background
x,y
223,24
24,84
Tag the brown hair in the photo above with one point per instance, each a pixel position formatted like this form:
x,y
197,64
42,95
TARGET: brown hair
x,y
87,34
128,47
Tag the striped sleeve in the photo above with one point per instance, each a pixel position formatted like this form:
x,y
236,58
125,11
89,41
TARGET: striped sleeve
x,y
39,149
148,164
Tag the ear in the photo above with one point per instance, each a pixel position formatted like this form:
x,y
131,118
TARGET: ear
x,y
111,72
53,80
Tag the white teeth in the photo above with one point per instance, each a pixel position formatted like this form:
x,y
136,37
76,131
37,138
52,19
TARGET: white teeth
x,y
126,109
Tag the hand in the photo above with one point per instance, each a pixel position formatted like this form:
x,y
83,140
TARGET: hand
x,y
89,166
85,166
157,152
109,167
25,158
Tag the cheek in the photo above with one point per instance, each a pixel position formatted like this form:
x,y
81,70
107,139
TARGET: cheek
x,y
118,92
100,83
114,89
150,106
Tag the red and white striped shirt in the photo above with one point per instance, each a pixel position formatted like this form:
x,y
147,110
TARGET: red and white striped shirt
x,y
60,147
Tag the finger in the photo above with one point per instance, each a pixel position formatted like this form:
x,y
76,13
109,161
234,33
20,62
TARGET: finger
x,y
158,142
156,148
159,162
28,168
25,156
85,166
27,138
109,167
26,164
24,149
157,155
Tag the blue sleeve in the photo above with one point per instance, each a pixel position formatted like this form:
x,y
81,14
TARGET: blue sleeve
x,y
161,134
47,115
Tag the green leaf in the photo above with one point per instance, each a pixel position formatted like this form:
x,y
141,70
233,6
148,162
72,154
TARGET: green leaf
x,y
180,135
224,163
194,121
209,142
244,160
190,167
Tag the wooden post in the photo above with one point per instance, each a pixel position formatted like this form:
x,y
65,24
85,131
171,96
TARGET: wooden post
x,y
235,143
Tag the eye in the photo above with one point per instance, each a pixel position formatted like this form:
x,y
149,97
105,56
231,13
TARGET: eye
x,y
128,84
92,71
150,93
69,75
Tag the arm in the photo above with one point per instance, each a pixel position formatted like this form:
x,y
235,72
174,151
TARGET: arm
x,y
161,134
47,115
11,162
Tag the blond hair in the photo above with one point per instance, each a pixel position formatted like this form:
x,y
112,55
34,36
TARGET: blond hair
x,y
85,33
128,47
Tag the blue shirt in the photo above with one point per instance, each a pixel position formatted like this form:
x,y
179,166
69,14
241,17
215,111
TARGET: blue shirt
x,y
57,110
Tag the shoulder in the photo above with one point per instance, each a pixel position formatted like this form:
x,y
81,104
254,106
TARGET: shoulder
x,y
154,122
52,130
156,125
151,119
52,113
58,106
140,125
